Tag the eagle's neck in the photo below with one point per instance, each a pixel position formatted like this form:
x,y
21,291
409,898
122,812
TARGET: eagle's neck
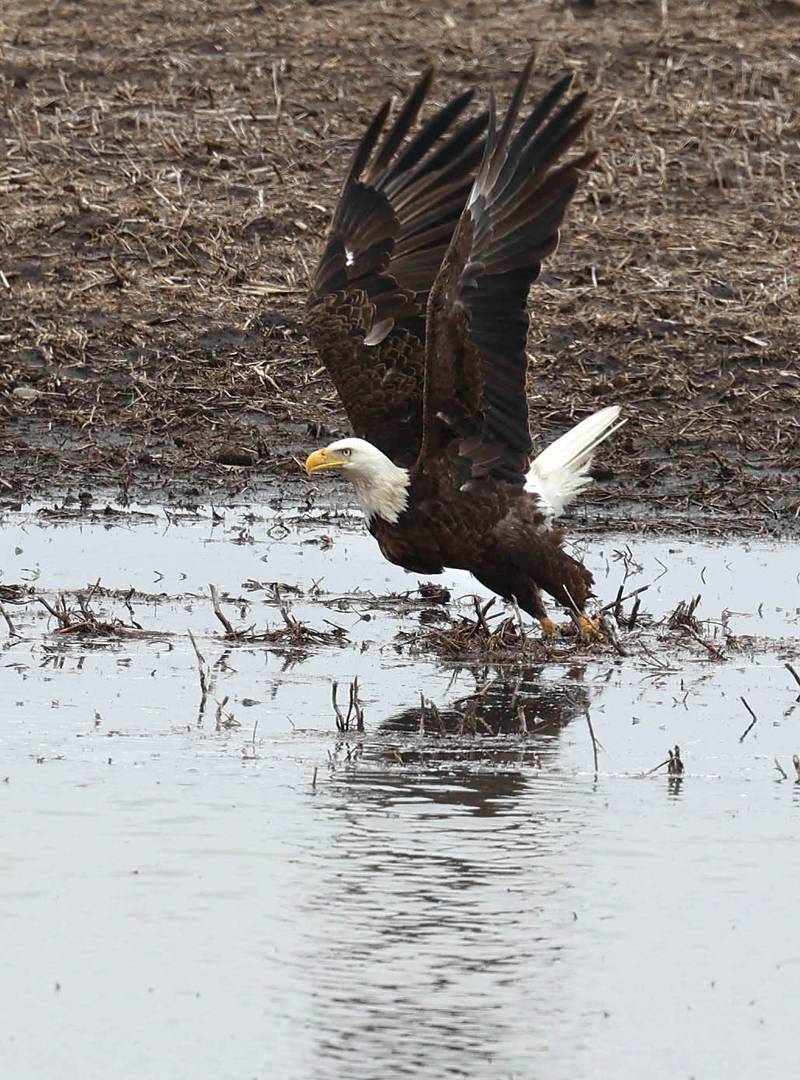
x,y
382,489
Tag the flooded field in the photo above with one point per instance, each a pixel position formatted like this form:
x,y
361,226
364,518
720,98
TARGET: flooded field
x,y
232,887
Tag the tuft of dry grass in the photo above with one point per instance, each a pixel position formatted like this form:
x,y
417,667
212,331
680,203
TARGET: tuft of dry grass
x,y
293,634
80,618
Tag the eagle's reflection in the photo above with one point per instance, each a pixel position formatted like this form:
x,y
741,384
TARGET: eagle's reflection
x,y
443,879
478,751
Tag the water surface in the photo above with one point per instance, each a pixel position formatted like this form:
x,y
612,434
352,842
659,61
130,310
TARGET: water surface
x,y
264,896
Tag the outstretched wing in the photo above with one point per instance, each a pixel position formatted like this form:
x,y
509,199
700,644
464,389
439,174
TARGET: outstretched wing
x,y
394,221
476,408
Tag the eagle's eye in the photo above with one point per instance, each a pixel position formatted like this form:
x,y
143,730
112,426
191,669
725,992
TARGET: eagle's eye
x,y
345,452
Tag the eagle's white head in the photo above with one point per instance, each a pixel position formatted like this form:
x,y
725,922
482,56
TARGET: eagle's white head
x,y
381,487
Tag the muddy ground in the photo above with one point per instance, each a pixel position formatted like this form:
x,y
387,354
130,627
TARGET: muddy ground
x,y
168,172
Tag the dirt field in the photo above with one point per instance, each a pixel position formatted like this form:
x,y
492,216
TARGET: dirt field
x,y
167,175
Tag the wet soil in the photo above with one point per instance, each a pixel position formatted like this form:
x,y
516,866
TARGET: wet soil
x,y
168,172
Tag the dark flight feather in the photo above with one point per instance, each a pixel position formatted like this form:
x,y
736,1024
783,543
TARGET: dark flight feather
x,y
401,201
477,311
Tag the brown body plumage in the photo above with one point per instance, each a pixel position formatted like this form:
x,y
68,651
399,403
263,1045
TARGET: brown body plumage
x,y
419,312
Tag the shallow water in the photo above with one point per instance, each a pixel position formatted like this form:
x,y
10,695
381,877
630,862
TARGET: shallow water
x,y
266,897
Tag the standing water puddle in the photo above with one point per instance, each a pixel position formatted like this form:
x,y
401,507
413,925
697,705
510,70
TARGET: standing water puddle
x,y
236,889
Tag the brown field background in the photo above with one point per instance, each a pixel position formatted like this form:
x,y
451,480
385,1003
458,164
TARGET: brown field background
x,y
167,172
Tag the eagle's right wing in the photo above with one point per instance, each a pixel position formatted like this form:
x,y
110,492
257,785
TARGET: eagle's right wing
x,y
394,220
476,408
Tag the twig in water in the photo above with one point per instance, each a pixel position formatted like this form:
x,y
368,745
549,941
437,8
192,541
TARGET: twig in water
x,y
673,761
355,712
781,770
619,600
11,631
594,741
752,723
794,675
660,765
341,722
60,614
796,763
656,661
223,618
617,605
129,606
85,602
359,712
421,714
480,613
712,649
202,668
225,719
675,764
683,615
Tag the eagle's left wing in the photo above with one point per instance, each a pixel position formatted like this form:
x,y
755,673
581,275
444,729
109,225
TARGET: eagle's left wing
x,y
399,206
475,403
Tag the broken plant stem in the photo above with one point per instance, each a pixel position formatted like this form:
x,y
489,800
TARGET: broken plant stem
x,y
481,612
752,723
9,623
355,712
619,600
793,673
223,618
594,742
202,668
674,761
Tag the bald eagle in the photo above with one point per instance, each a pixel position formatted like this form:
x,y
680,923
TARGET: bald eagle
x,y
419,312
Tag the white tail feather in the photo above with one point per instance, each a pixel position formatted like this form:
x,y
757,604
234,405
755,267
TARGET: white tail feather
x,y
559,473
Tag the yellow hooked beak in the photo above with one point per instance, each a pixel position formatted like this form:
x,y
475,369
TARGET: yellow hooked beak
x,y
323,459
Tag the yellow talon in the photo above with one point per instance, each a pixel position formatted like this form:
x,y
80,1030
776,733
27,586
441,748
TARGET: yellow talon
x,y
549,628
589,628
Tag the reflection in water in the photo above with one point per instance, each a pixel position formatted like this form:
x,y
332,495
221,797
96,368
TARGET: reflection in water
x,y
470,754
674,785
438,883
494,707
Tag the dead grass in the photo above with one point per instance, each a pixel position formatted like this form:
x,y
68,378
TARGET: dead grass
x,y
168,173
293,634
77,617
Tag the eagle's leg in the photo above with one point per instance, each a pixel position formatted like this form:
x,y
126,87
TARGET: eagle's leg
x,y
588,628
569,583
526,593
